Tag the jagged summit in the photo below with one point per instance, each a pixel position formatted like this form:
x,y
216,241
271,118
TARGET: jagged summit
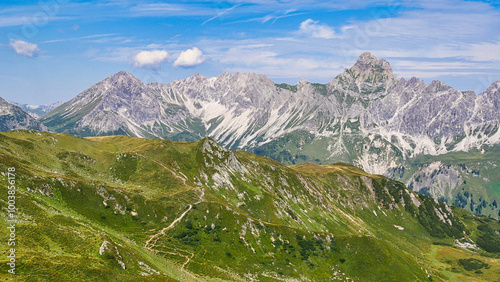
x,y
370,69
199,75
302,81
438,86
121,77
367,62
494,87
122,73
370,77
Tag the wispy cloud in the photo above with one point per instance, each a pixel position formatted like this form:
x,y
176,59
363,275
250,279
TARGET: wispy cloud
x,y
156,9
34,15
477,52
94,36
436,65
276,58
286,14
436,22
12,21
309,5
221,13
168,9
273,17
25,20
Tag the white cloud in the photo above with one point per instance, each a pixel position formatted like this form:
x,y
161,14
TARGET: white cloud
x,y
24,48
150,59
190,58
314,29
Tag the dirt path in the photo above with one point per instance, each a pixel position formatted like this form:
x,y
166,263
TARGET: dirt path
x,y
156,236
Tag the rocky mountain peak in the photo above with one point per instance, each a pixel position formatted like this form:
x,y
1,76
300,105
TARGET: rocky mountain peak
x,y
6,108
302,81
208,142
489,103
368,62
120,74
437,86
369,77
122,78
494,87
197,77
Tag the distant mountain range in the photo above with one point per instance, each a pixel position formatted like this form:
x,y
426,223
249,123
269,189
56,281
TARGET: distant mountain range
x,y
435,139
37,111
13,117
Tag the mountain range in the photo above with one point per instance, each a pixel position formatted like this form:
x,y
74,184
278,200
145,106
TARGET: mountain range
x,y
37,111
436,139
13,117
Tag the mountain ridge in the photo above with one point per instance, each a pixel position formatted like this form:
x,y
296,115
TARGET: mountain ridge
x,y
125,208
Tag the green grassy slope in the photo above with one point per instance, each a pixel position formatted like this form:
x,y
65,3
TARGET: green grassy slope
x,y
107,208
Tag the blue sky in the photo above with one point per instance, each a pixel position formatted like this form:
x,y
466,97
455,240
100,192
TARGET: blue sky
x,y
52,50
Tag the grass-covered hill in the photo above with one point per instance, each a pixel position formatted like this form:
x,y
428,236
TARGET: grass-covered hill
x,y
130,209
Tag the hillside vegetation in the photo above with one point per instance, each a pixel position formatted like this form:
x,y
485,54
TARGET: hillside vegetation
x,y
128,209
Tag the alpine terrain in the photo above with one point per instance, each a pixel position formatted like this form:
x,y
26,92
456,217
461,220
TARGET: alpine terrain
x,y
13,117
436,139
38,110
119,208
